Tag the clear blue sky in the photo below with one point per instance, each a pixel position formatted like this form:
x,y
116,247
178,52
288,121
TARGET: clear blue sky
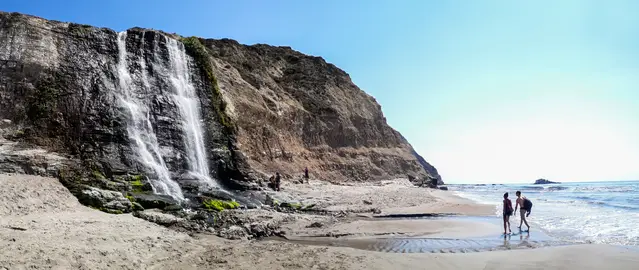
x,y
487,91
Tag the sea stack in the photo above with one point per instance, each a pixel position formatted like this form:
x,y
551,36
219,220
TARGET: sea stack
x,y
544,182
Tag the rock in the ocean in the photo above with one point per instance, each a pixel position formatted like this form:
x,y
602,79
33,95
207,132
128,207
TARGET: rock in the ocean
x,y
106,200
443,188
544,181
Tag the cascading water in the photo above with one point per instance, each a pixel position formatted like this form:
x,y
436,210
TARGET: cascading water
x,y
140,129
188,103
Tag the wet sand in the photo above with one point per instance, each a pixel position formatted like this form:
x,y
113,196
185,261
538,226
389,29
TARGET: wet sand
x,y
43,226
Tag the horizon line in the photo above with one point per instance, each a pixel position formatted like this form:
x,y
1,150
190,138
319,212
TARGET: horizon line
x,y
529,183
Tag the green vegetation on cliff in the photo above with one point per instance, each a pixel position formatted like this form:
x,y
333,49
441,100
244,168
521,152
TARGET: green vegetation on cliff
x,y
198,51
42,101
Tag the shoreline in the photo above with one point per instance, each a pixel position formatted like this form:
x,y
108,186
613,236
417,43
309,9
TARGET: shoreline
x,y
55,231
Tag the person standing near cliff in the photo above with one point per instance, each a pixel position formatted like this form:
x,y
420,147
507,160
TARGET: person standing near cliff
x,y
277,181
522,209
306,174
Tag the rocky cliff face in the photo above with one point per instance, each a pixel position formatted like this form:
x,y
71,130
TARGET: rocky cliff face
x,y
113,102
121,107
295,111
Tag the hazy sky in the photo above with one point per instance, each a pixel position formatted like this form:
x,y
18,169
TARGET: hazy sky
x,y
487,91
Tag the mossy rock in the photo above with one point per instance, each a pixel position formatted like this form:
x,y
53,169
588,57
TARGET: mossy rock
x,y
219,205
139,183
98,175
137,206
296,206
137,177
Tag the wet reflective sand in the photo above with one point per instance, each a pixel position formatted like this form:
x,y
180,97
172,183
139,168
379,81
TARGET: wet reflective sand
x,y
516,240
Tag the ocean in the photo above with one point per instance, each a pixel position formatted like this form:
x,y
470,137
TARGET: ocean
x,y
593,212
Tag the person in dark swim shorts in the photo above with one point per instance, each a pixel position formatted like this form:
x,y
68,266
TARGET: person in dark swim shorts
x,y
507,212
522,210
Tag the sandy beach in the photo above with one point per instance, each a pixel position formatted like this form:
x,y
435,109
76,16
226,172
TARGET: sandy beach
x,y
42,226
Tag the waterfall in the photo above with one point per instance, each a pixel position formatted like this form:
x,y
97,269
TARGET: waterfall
x,y
187,101
139,126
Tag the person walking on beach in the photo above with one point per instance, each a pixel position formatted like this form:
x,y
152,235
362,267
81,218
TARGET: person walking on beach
x,y
508,211
522,209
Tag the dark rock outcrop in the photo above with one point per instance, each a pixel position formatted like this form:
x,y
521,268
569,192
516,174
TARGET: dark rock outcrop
x,y
544,181
106,200
151,201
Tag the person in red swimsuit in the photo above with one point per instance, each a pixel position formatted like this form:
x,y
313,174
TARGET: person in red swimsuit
x,y
507,212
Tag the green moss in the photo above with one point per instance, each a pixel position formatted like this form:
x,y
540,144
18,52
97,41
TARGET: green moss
x,y
136,182
130,198
97,174
198,51
137,185
220,205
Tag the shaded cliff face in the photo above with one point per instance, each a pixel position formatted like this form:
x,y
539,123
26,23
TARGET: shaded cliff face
x,y
295,111
119,106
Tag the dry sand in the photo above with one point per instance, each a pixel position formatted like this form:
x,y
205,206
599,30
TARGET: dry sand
x,y
398,196
42,226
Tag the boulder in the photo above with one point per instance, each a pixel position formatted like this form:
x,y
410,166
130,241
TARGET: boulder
x,y
106,200
158,217
234,233
263,229
315,225
150,201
